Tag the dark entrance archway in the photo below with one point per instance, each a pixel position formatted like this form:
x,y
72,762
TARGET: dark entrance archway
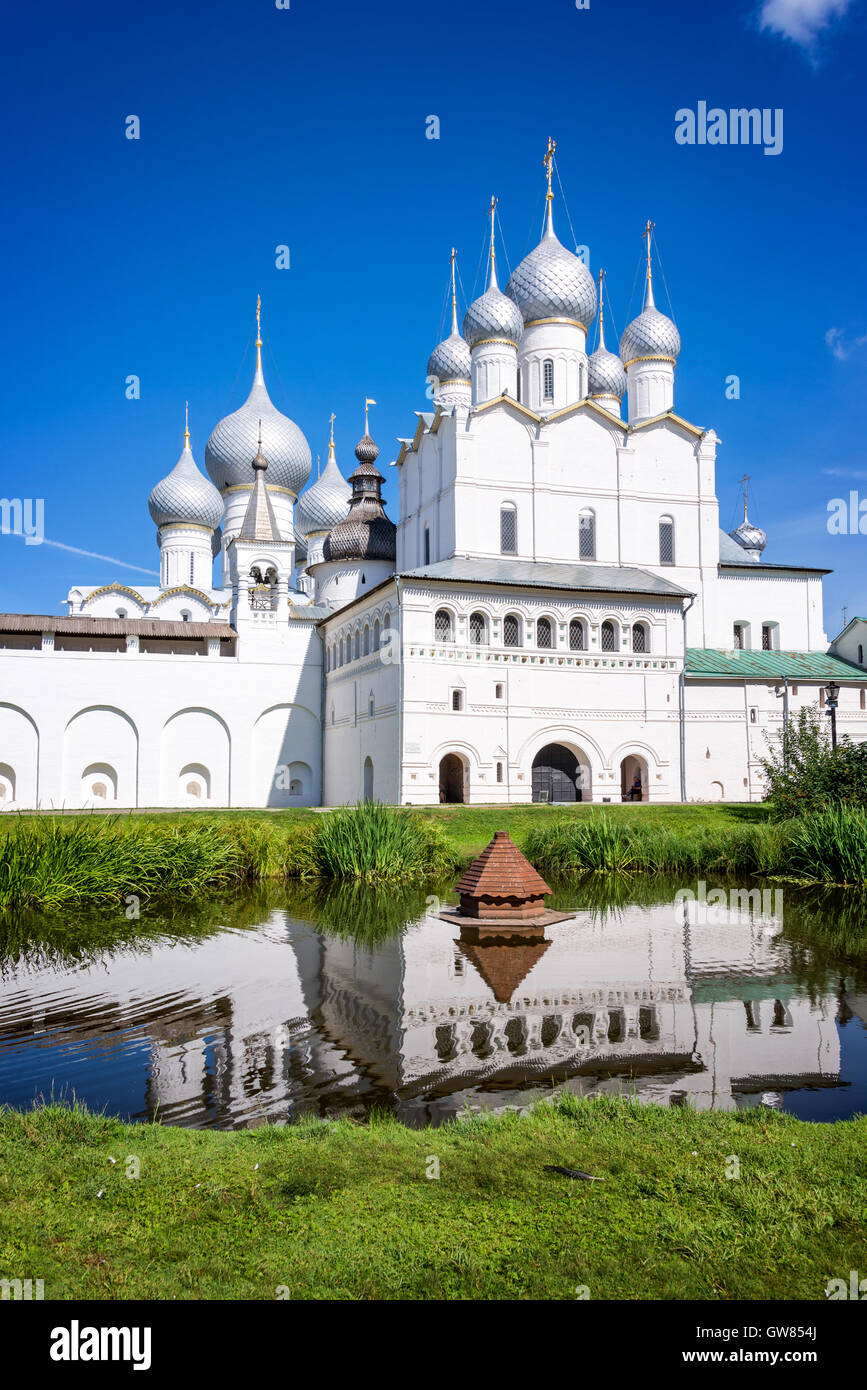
x,y
451,778
556,774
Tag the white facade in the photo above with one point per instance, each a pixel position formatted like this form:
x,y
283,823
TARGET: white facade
x,y
562,612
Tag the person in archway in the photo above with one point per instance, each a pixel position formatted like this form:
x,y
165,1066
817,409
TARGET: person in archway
x,y
635,789
442,791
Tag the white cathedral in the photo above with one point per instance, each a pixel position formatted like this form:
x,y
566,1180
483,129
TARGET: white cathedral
x,y
556,616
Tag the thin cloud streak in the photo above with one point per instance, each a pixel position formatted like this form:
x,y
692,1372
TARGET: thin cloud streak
x,y
91,555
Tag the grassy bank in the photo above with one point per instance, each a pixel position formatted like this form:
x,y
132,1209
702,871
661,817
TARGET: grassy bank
x,y
57,862
346,1211
828,846
51,863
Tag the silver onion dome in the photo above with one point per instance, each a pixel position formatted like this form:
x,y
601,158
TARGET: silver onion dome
x,y
451,360
186,496
650,335
493,315
552,283
605,372
752,538
325,503
235,439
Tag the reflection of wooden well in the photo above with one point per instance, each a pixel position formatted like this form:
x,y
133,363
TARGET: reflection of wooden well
x,y
502,890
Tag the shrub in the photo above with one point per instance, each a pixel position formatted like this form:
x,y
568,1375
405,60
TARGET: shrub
x,y
803,772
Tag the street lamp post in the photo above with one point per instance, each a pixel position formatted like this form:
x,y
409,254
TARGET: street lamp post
x,y
783,694
832,690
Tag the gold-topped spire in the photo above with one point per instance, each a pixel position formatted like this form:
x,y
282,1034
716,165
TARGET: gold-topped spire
x,y
648,293
601,344
258,332
492,281
747,478
548,162
186,424
331,457
454,304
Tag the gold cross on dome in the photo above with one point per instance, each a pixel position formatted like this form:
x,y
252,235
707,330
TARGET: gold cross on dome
x,y
548,161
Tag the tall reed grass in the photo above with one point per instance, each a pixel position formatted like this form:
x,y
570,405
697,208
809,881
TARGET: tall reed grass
x,y
824,846
52,863
373,843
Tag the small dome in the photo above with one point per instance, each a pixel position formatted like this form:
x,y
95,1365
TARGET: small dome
x,y
325,503
450,361
493,315
552,283
186,495
235,440
752,538
605,374
652,334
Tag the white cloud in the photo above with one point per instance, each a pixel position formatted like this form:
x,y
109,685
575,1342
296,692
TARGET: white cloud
x,y
842,347
856,473
800,20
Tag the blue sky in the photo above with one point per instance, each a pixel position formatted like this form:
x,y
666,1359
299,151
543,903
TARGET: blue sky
x,y
306,127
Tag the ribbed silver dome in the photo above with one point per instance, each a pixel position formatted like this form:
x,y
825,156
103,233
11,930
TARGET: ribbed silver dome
x,y
605,374
652,334
451,360
325,503
493,315
749,536
186,496
235,441
552,283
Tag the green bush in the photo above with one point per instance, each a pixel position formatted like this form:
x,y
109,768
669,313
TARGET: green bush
x,y
804,773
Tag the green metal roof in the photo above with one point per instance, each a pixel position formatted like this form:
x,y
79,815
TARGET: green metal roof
x,y
818,666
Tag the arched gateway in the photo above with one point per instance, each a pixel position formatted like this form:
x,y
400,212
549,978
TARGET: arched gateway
x,y
558,775
452,779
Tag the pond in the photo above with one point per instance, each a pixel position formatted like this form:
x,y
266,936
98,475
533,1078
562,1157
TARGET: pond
x,y
277,1003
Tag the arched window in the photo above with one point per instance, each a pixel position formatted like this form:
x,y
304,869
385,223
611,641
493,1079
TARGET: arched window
x,y
548,380
738,637
639,638
443,631
370,705
508,529
544,634
426,545
511,630
860,654
587,534
770,637
376,636
341,652
386,623
356,647
327,658
609,636
499,772
666,540
365,641
186,615
478,629
576,636
121,612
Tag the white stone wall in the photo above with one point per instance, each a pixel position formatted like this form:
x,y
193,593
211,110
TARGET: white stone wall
x,y
362,691
136,728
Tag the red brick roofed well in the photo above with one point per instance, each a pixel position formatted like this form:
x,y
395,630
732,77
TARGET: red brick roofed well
x,y
501,871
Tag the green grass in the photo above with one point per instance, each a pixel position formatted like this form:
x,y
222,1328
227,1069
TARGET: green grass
x,y
53,863
827,846
342,1211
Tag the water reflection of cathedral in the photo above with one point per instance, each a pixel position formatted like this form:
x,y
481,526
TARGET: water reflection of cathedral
x,y
232,1030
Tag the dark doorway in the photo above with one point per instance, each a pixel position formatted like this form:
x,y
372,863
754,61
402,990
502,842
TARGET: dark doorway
x,y
451,778
556,774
